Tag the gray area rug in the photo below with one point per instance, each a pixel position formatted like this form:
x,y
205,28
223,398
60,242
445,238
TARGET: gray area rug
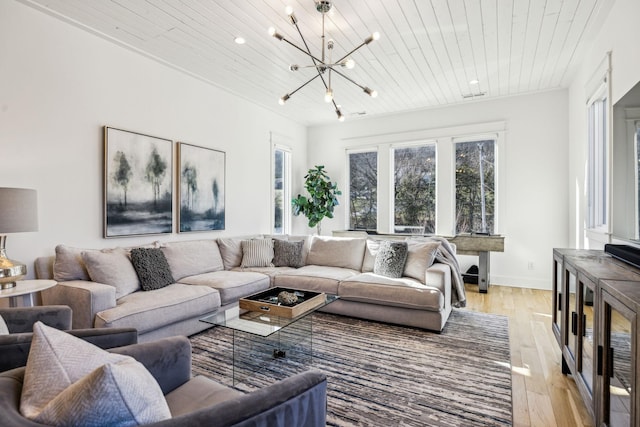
x,y
384,375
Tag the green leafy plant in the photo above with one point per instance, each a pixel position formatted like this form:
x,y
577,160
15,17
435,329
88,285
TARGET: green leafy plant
x,y
322,197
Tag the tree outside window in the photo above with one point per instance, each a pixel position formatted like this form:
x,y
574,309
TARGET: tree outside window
x,y
363,190
281,191
475,186
415,189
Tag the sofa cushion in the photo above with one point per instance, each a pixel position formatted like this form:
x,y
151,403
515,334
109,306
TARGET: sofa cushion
x,y
344,252
112,267
420,257
257,253
403,292
231,252
198,393
314,278
192,257
68,381
68,264
287,254
391,258
232,285
152,268
148,311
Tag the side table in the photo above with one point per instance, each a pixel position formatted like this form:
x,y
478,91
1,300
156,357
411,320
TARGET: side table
x,y
24,291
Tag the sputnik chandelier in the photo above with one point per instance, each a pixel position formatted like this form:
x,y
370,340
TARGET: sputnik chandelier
x,y
324,64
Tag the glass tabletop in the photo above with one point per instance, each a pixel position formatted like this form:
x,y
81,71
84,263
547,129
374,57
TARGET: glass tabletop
x,y
256,322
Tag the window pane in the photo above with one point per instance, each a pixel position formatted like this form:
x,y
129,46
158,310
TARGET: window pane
x,y
363,191
597,173
475,186
281,213
415,189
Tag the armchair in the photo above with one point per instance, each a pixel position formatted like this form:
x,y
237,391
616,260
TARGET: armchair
x,y
299,400
14,348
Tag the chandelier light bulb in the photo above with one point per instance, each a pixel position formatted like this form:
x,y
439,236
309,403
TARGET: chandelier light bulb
x,y
372,37
340,116
328,96
350,63
272,31
372,93
288,10
376,36
284,99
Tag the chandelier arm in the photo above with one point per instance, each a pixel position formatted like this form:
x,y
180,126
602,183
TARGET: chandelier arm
x,y
308,52
304,84
302,50
349,78
348,54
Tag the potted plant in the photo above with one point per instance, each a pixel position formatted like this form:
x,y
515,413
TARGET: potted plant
x,y
322,197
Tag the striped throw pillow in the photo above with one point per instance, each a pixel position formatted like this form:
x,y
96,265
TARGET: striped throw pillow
x,y
257,253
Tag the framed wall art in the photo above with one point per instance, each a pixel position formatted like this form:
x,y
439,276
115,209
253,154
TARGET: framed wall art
x,y
201,175
138,184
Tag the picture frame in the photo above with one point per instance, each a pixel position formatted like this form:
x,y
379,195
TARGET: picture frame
x,y
201,176
138,184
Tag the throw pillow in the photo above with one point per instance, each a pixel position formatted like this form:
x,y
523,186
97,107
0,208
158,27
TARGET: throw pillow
x,y
420,257
287,254
4,329
390,259
112,267
68,264
152,268
193,257
231,252
371,250
257,253
58,361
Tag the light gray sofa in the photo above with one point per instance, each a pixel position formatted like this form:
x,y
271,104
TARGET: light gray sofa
x,y
209,274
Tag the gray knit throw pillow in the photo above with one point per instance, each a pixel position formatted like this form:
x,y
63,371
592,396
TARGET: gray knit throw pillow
x,y
391,258
287,253
152,268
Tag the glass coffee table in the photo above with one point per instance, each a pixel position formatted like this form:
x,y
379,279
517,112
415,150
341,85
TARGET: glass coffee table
x,y
260,338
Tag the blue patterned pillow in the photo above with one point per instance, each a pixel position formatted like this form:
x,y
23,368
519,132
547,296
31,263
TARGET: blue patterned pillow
x,y
390,259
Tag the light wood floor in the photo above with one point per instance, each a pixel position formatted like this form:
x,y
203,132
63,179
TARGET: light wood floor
x,y
542,396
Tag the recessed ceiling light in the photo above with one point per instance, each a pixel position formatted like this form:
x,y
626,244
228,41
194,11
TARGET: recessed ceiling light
x,y
239,40
474,82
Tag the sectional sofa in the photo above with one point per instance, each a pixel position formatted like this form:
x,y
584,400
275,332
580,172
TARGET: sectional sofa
x,y
106,288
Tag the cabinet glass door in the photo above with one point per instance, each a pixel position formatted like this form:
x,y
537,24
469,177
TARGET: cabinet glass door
x,y
620,369
587,329
572,313
557,290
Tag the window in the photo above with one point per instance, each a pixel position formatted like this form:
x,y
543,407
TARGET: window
x,y
363,190
281,190
597,164
475,186
414,186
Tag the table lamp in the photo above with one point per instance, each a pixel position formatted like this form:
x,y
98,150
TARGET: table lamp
x,y
18,213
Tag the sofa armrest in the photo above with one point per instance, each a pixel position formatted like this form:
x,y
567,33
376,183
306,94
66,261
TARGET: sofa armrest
x,y
14,348
168,360
439,276
300,400
85,299
21,319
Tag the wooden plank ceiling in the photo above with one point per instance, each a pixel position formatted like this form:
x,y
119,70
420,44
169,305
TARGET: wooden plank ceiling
x,y
428,53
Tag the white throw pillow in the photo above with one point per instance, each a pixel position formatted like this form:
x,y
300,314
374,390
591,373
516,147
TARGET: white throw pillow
x,y
420,257
257,253
4,330
231,252
112,267
68,381
68,264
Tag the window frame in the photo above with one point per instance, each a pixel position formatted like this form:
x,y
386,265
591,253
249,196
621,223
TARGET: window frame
x,y
347,191
598,174
286,188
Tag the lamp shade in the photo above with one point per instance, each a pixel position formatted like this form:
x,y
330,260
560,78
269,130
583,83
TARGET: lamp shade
x,y
18,210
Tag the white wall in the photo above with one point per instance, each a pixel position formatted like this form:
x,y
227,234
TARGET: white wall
x,y
619,34
533,196
59,86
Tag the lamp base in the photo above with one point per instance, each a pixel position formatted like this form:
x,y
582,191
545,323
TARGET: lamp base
x,y
10,271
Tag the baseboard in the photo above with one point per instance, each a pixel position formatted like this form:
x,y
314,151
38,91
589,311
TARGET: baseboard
x,y
521,282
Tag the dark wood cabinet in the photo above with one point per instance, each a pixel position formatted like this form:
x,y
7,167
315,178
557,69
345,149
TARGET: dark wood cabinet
x,y
596,298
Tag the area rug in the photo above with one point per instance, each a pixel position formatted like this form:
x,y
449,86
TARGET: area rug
x,y
384,375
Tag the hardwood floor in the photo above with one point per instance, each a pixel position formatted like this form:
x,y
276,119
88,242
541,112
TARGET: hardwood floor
x,y
542,396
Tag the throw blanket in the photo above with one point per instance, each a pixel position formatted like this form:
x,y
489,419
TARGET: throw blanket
x,y
447,255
